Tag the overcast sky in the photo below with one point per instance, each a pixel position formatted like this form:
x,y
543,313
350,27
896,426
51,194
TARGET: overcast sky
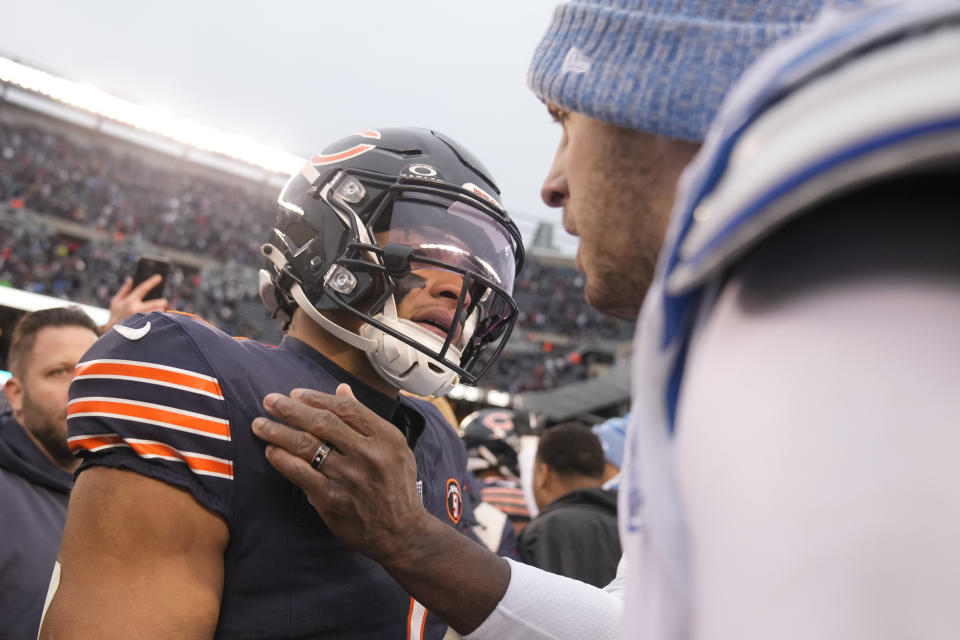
x,y
299,74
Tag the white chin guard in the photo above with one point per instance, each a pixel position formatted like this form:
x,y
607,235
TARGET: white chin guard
x,y
405,367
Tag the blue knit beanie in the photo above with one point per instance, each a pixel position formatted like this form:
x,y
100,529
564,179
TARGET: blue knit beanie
x,y
660,66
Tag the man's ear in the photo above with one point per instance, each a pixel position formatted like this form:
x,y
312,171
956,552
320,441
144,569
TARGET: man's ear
x,y
14,390
543,475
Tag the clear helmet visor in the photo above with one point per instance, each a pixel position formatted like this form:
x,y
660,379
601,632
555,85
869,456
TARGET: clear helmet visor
x,y
459,254
453,231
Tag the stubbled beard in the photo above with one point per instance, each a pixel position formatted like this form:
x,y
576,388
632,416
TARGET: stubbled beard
x,y
48,431
620,294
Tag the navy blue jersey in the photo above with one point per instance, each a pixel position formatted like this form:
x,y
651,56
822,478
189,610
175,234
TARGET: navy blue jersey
x,y
173,399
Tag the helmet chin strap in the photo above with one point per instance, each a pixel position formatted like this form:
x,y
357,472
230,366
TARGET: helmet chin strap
x,y
400,364
268,294
405,366
367,345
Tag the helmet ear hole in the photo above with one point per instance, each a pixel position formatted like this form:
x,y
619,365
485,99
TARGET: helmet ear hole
x,y
300,234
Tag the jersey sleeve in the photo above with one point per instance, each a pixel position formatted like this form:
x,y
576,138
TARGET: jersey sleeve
x,y
145,399
544,606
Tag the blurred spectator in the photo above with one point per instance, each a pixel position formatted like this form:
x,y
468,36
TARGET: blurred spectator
x,y
575,533
36,466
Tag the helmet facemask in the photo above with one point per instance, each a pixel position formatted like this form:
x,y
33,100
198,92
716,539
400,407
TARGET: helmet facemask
x,y
426,266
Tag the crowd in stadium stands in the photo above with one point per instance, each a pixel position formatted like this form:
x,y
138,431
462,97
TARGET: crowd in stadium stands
x,y
129,198
135,203
551,300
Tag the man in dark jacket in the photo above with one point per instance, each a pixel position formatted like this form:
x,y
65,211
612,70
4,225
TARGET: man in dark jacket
x,y
575,534
36,467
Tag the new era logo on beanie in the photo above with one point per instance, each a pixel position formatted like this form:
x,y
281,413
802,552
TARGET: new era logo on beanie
x,y
575,62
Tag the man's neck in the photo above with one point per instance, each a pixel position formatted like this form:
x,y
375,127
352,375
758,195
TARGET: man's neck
x,y
565,485
345,356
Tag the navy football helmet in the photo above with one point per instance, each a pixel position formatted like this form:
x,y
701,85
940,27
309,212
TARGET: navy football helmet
x,y
362,224
492,442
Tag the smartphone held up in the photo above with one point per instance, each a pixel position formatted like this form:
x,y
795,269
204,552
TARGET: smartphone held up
x,y
148,265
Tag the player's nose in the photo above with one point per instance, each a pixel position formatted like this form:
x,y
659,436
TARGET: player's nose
x,y
446,285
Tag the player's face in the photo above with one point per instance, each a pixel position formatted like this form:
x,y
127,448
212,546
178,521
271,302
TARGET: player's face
x,y
616,188
429,294
40,401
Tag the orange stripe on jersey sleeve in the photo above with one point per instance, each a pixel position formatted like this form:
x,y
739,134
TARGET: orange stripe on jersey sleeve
x,y
92,443
147,372
137,412
202,465
189,315
195,462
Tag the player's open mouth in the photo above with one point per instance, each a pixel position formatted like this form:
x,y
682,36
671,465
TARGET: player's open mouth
x,y
438,322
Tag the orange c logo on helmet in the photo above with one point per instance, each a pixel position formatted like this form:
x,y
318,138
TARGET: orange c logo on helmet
x,y
352,152
454,500
500,422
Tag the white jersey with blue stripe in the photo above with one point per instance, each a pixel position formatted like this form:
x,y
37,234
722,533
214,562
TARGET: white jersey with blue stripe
x,y
803,125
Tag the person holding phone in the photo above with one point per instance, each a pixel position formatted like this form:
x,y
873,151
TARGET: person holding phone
x,y
133,297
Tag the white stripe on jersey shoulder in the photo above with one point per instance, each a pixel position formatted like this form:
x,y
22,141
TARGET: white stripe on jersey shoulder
x,y
187,454
190,458
171,385
152,365
142,447
138,416
97,436
111,369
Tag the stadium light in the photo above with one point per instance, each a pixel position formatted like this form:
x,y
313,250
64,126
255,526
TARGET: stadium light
x,y
498,398
473,394
89,98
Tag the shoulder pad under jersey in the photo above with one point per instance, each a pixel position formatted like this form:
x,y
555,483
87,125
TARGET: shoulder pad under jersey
x,y
862,95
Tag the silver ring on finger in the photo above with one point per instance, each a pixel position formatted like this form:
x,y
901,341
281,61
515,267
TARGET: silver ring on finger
x,y
322,452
